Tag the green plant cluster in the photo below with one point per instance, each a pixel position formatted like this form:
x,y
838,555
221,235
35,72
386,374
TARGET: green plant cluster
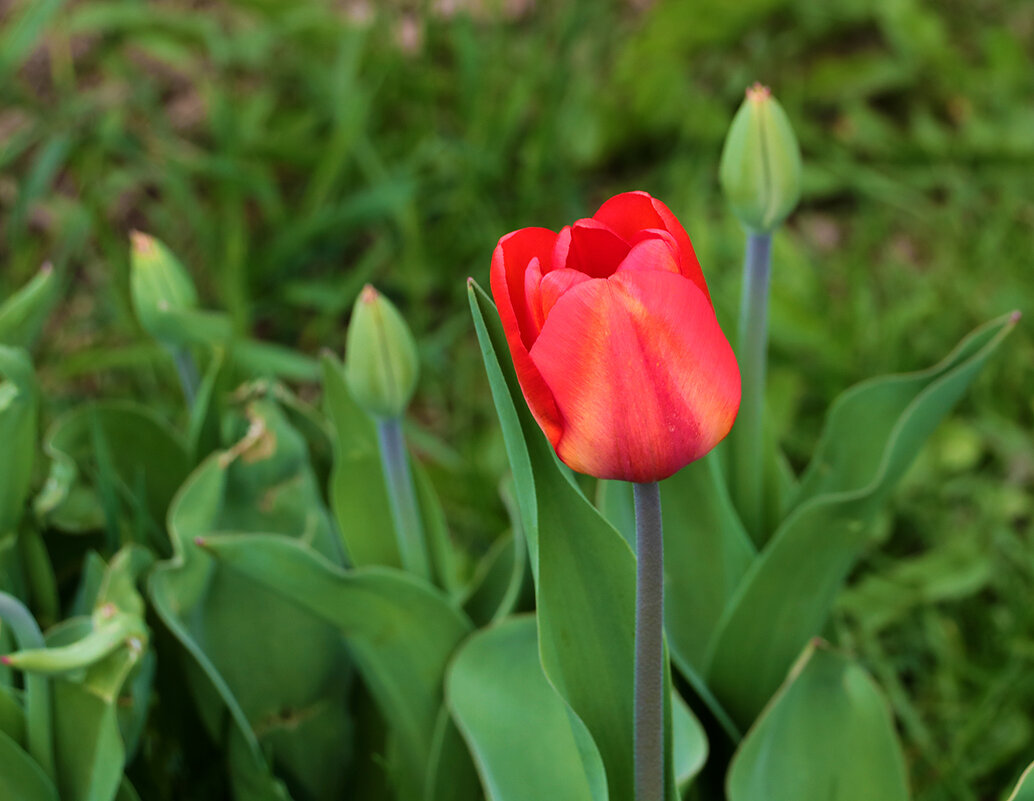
x,y
291,152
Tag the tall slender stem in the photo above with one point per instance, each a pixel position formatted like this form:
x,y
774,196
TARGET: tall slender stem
x,y
409,528
186,369
747,434
649,645
37,689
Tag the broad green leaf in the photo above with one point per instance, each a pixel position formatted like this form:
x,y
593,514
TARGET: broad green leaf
x,y
526,743
357,492
145,461
400,631
296,706
1025,786
875,431
584,571
23,315
19,398
827,735
21,778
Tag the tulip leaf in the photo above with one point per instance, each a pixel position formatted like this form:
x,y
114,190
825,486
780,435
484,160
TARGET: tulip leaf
x,y
268,359
499,696
142,459
689,743
584,571
296,706
21,778
873,434
400,631
827,734
19,397
23,315
1024,790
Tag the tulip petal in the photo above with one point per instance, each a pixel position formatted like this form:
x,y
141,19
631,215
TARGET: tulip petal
x,y
532,295
655,250
511,257
631,212
510,260
553,285
594,249
643,378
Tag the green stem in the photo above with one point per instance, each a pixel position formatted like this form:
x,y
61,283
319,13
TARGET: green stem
x,y
409,528
649,645
748,433
186,369
37,688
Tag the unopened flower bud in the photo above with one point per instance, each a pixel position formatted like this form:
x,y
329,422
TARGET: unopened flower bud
x,y
381,364
760,169
158,284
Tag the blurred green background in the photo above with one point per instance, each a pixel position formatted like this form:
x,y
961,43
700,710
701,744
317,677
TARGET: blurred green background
x,y
291,151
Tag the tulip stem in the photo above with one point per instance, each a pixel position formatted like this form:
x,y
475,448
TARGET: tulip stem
x,y
748,433
186,369
649,645
405,514
37,690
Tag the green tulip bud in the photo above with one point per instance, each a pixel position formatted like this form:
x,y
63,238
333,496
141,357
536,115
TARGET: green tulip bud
x,y
158,284
381,365
760,169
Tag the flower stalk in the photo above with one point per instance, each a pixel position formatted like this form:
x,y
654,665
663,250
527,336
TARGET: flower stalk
x,y
649,645
747,434
405,514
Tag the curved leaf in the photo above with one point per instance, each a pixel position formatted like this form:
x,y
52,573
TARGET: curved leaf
x,y
23,315
1024,790
118,446
500,698
789,589
21,778
296,705
400,631
827,735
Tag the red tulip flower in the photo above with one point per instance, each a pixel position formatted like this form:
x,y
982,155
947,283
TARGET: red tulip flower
x,y
615,341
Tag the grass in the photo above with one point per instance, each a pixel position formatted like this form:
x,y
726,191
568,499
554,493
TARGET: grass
x,y
289,153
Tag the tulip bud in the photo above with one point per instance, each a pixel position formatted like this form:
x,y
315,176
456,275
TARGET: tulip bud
x,y
380,359
158,284
760,168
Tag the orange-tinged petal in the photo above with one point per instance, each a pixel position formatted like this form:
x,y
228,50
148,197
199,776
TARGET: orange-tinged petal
x,y
655,250
643,379
555,284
